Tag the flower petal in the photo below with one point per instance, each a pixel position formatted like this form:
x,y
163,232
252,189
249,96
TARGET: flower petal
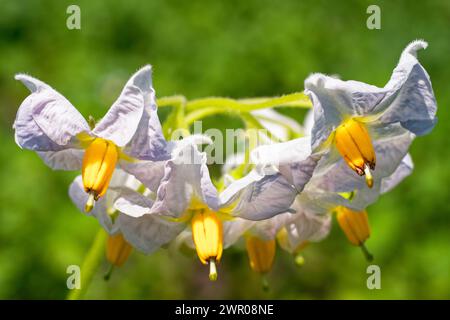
x,y
149,232
132,203
100,211
234,229
407,99
403,170
186,176
413,104
259,197
148,172
67,159
121,121
46,121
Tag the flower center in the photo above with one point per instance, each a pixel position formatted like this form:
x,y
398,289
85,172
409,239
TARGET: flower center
x,y
99,162
354,144
355,225
207,234
261,253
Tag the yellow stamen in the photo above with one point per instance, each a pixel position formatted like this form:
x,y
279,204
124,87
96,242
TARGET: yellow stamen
x,y
207,234
261,253
99,162
354,144
355,226
90,202
212,270
117,250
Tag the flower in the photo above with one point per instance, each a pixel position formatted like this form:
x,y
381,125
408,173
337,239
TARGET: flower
x,y
47,123
117,250
370,128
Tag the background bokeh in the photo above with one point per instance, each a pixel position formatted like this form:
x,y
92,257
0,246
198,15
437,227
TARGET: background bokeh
x,y
223,48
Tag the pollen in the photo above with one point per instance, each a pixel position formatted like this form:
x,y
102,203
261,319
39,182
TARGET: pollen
x,y
354,144
261,253
99,162
207,234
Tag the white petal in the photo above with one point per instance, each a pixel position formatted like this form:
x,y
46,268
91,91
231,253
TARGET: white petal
x,y
100,211
186,176
121,121
148,172
149,232
132,203
234,229
46,121
259,197
403,170
68,159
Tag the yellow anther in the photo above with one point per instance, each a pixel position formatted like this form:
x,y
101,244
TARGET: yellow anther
x,y
354,144
117,250
261,253
355,226
99,163
207,234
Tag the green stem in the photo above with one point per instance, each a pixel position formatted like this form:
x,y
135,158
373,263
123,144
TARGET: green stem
x,y
367,254
90,264
297,99
170,101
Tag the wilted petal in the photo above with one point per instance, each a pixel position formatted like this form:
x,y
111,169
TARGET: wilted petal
x,y
46,121
149,232
121,121
67,159
186,176
259,197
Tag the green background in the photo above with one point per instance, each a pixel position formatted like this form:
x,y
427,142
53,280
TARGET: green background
x,y
219,48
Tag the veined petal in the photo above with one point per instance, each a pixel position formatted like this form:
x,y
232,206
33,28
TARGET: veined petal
x,y
67,159
120,123
149,232
186,176
259,197
46,121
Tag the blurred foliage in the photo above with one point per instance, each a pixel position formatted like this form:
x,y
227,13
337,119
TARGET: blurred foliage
x,y
222,48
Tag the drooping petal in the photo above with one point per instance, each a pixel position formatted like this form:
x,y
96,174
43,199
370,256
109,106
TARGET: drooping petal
x,y
268,229
149,232
259,197
67,159
121,121
403,170
46,121
186,176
